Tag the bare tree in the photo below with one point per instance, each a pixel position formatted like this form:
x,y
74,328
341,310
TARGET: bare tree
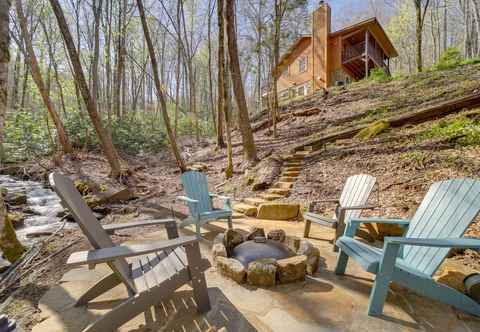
x,y
421,7
103,137
160,96
249,149
221,73
37,77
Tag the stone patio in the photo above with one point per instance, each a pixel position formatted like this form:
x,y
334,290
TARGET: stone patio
x,y
323,302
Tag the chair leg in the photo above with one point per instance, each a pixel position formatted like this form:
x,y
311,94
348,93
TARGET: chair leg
x,y
230,224
378,295
103,285
199,284
342,261
306,232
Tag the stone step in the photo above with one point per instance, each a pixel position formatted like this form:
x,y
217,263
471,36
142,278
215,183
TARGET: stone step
x,y
302,153
293,164
308,148
291,174
283,185
287,179
293,169
294,158
246,209
270,197
256,201
279,191
237,215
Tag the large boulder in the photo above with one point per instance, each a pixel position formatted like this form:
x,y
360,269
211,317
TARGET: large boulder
x,y
278,211
262,273
232,239
231,268
17,219
292,269
266,172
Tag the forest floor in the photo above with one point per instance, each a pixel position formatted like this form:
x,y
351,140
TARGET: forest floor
x,y
406,161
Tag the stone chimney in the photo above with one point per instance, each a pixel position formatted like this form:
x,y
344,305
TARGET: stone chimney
x,y
321,25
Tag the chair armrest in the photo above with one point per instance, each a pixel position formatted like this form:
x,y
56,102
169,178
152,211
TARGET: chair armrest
x,y
392,221
330,200
359,207
463,243
111,228
105,255
225,198
353,224
187,199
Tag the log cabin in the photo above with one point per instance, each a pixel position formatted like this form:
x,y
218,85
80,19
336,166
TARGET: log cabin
x,y
325,58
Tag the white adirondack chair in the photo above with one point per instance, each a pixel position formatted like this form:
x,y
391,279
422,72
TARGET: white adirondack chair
x,y
352,202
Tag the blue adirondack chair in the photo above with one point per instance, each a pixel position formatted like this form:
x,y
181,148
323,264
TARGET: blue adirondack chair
x,y
437,226
199,201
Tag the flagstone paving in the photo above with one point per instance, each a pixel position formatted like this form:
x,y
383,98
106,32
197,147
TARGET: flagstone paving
x,y
324,302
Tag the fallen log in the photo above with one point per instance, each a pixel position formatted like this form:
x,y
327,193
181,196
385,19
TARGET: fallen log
x,y
266,123
415,117
308,112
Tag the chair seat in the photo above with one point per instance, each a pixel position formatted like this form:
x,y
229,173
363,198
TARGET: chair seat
x,y
321,220
215,214
151,270
367,256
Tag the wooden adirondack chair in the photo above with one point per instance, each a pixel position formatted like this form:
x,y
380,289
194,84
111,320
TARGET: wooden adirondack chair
x,y
156,271
437,226
199,201
352,201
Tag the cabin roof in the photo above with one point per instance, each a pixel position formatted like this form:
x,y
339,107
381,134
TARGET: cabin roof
x,y
372,23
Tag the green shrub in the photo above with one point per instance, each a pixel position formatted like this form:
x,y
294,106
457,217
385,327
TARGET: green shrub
x,y
379,75
461,130
450,59
472,61
373,130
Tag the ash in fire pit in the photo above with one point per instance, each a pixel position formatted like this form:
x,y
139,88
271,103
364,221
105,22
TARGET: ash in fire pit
x,y
264,262
250,251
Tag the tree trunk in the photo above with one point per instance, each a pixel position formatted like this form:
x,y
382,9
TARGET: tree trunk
x,y
227,110
103,137
418,34
9,244
276,58
249,148
97,12
37,77
160,96
210,83
4,61
221,75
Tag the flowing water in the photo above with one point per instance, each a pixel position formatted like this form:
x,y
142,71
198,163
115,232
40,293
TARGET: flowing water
x,y
42,209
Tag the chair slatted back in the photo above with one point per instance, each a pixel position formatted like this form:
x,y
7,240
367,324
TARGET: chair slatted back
x,y
356,192
195,186
446,211
89,224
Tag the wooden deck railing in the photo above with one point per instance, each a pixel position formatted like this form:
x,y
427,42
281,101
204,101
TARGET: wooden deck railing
x,y
374,51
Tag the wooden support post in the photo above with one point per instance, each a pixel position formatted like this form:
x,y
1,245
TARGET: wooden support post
x,y
366,53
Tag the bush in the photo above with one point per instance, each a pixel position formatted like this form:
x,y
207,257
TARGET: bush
x,y
472,61
379,75
450,59
461,130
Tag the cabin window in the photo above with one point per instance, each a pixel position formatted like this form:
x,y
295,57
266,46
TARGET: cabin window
x,y
286,72
284,94
302,64
301,90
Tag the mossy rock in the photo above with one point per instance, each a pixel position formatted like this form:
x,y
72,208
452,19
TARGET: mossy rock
x,y
17,219
9,244
82,187
373,130
16,198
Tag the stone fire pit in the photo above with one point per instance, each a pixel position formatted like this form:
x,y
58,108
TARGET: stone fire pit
x,y
264,260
